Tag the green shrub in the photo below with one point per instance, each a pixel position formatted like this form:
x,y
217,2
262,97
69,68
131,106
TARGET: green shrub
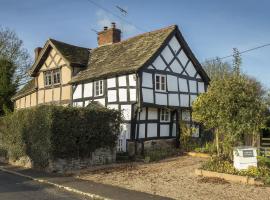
x,y
49,132
209,147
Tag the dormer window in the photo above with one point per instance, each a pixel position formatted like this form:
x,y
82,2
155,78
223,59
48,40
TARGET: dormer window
x,y
98,88
160,83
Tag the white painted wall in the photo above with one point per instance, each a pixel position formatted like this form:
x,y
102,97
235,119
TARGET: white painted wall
x,y
193,86
122,94
159,63
132,80
161,99
183,86
183,58
172,83
152,113
142,131
147,95
201,88
126,110
174,100
152,130
167,54
101,101
174,44
111,82
88,90
78,92
184,100
147,80
122,81
190,69
112,96
132,94
164,130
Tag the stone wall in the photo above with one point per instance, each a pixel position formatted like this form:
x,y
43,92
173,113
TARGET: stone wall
x,y
140,147
101,156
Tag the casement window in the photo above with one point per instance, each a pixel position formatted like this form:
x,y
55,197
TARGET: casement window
x,y
160,82
48,78
56,76
52,77
164,115
99,88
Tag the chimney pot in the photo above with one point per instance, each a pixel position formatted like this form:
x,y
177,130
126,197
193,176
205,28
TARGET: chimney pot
x,y
105,28
113,25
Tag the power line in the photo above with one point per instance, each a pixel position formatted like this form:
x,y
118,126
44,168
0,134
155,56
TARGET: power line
x,y
248,50
115,15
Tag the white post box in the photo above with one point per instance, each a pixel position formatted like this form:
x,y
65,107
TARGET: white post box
x,y
244,157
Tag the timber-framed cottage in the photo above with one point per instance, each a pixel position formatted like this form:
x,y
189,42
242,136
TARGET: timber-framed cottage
x,y
153,78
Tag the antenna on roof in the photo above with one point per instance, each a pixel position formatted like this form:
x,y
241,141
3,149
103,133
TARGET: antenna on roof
x,y
94,30
122,10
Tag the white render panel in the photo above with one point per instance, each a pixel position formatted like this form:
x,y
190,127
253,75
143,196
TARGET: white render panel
x,y
190,69
192,98
174,130
161,99
132,79
184,100
132,94
164,130
186,115
122,81
147,80
174,44
126,110
112,97
78,104
101,101
143,114
193,86
147,95
88,90
167,54
159,63
78,92
126,130
152,130
176,67
111,82
142,131
152,113
172,83
173,100
86,103
201,87
198,76
183,86
183,58
113,106
122,94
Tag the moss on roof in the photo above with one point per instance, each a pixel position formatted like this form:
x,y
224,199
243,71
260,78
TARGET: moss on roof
x,y
74,54
28,87
123,57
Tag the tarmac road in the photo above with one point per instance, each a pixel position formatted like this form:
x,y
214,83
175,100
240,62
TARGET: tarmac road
x,y
14,187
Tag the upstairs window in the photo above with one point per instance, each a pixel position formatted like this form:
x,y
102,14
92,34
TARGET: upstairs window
x,y
164,115
52,77
48,78
99,88
160,82
56,76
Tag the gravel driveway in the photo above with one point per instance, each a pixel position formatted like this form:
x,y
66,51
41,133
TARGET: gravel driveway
x,y
175,178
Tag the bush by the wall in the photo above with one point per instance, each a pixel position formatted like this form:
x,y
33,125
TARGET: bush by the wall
x,y
49,132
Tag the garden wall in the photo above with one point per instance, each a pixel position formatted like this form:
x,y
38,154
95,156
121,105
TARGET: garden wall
x,y
58,138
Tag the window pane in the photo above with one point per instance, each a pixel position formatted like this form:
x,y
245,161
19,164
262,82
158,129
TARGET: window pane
x,y
157,82
163,83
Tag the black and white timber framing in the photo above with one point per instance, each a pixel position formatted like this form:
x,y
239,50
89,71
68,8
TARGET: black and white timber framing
x,y
141,102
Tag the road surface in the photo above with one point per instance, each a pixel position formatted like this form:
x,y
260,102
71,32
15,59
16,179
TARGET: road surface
x,y
14,187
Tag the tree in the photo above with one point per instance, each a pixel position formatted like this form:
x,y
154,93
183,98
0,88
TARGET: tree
x,y
7,85
11,49
233,107
217,69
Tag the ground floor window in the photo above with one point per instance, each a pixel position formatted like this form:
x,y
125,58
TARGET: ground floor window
x,y
164,115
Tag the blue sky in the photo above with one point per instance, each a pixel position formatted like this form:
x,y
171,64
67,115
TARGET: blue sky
x,y
211,27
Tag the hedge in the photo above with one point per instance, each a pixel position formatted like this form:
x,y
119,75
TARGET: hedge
x,y
50,132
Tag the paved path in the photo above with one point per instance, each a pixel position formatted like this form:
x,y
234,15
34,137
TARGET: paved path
x,y
103,190
14,187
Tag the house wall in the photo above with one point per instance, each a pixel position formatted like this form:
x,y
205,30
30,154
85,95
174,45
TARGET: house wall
x,y
183,82
57,94
120,93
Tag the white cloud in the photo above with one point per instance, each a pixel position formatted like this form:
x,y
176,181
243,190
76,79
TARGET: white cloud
x,y
105,19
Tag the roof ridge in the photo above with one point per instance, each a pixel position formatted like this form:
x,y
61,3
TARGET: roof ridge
x,y
174,26
54,40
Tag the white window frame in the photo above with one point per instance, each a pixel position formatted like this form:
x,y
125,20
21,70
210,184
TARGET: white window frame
x,y
98,88
56,74
165,115
47,76
160,84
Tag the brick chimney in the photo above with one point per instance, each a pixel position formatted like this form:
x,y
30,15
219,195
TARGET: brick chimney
x,y
37,52
109,35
